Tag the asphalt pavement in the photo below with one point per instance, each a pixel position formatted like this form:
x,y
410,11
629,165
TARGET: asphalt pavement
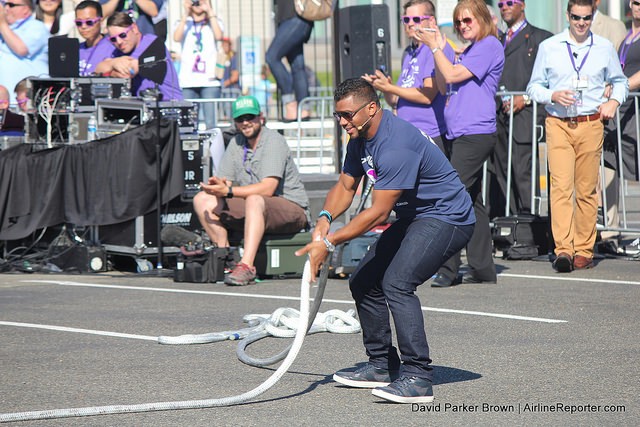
x,y
537,348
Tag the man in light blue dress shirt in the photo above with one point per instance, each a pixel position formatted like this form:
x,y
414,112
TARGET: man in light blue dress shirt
x,y
23,44
570,75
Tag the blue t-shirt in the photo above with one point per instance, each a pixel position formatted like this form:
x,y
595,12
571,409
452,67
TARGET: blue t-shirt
x,y
401,157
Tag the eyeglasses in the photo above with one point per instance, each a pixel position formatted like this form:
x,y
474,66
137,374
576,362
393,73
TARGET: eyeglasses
x,y
348,116
508,3
12,5
22,101
122,35
635,3
576,18
4,101
87,22
416,19
245,118
465,21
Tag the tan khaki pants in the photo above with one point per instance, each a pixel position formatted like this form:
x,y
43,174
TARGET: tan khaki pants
x,y
574,161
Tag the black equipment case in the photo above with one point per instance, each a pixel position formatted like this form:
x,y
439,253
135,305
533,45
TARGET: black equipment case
x,y
522,236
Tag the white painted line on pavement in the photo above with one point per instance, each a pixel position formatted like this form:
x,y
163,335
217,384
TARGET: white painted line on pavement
x,y
80,331
569,279
289,298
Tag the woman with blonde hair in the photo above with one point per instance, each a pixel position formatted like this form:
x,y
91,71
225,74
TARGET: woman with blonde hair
x,y
470,83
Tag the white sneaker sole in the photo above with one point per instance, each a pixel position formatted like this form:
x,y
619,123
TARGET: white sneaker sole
x,y
401,399
358,384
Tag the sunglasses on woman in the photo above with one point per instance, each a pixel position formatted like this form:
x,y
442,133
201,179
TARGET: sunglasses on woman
x,y
465,21
415,19
122,35
87,22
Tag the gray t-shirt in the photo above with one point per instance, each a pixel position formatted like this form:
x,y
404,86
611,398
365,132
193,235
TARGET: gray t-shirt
x,y
271,158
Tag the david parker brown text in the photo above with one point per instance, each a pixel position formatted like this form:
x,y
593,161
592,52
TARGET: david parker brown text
x,y
520,408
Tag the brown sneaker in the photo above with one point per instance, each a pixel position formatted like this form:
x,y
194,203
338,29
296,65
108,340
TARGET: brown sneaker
x,y
582,262
241,275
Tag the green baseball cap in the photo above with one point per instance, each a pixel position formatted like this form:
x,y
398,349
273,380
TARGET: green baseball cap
x,y
246,105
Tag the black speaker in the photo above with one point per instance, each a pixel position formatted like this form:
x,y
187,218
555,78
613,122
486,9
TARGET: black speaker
x,y
81,259
364,40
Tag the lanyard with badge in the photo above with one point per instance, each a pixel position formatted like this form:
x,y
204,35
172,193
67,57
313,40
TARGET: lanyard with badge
x,y
450,90
199,65
579,83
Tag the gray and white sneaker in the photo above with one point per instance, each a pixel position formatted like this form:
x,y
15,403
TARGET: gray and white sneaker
x,y
406,390
367,376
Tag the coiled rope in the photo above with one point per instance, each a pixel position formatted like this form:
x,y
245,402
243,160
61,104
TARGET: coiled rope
x,y
282,323
197,404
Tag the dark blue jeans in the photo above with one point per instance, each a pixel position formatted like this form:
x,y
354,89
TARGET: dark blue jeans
x,y
288,42
407,254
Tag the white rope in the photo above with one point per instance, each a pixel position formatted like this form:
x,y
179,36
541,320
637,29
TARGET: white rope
x,y
282,323
190,404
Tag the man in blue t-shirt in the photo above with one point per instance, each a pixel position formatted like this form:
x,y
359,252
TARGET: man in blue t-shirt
x,y
435,219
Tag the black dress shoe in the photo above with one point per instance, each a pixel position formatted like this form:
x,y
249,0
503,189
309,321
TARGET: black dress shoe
x,y
470,278
440,281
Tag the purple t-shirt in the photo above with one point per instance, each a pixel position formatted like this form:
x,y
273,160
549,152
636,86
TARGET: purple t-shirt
x,y
401,157
471,107
92,56
417,65
170,88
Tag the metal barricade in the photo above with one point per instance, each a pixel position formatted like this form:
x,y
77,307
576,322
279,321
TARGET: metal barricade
x,y
537,145
222,109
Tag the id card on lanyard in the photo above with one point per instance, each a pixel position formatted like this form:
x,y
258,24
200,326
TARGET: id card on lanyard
x,y
579,83
199,65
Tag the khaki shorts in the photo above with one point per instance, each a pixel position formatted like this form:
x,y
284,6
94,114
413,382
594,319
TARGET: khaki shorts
x,y
281,215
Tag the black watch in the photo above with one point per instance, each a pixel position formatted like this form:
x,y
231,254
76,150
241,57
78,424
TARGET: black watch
x,y
230,193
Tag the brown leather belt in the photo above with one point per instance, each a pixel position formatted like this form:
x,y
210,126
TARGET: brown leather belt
x,y
579,119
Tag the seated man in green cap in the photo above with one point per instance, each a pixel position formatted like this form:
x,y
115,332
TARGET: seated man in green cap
x,y
258,190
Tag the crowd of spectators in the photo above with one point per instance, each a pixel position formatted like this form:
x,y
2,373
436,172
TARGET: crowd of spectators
x,y
447,90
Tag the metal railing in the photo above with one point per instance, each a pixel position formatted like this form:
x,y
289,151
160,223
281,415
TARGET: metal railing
x,y
315,136
537,142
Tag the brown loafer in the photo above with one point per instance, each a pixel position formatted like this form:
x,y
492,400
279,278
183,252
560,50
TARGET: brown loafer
x,y
563,263
582,262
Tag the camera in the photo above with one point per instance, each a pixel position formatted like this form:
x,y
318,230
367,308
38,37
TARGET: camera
x,y
195,2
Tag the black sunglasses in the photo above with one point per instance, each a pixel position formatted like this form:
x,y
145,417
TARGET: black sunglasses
x,y
245,118
416,19
465,21
635,3
508,3
348,116
576,18
12,5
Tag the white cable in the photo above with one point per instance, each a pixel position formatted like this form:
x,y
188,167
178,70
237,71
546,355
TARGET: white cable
x,y
189,404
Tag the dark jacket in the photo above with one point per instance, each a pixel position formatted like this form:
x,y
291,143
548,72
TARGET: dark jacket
x,y
519,57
